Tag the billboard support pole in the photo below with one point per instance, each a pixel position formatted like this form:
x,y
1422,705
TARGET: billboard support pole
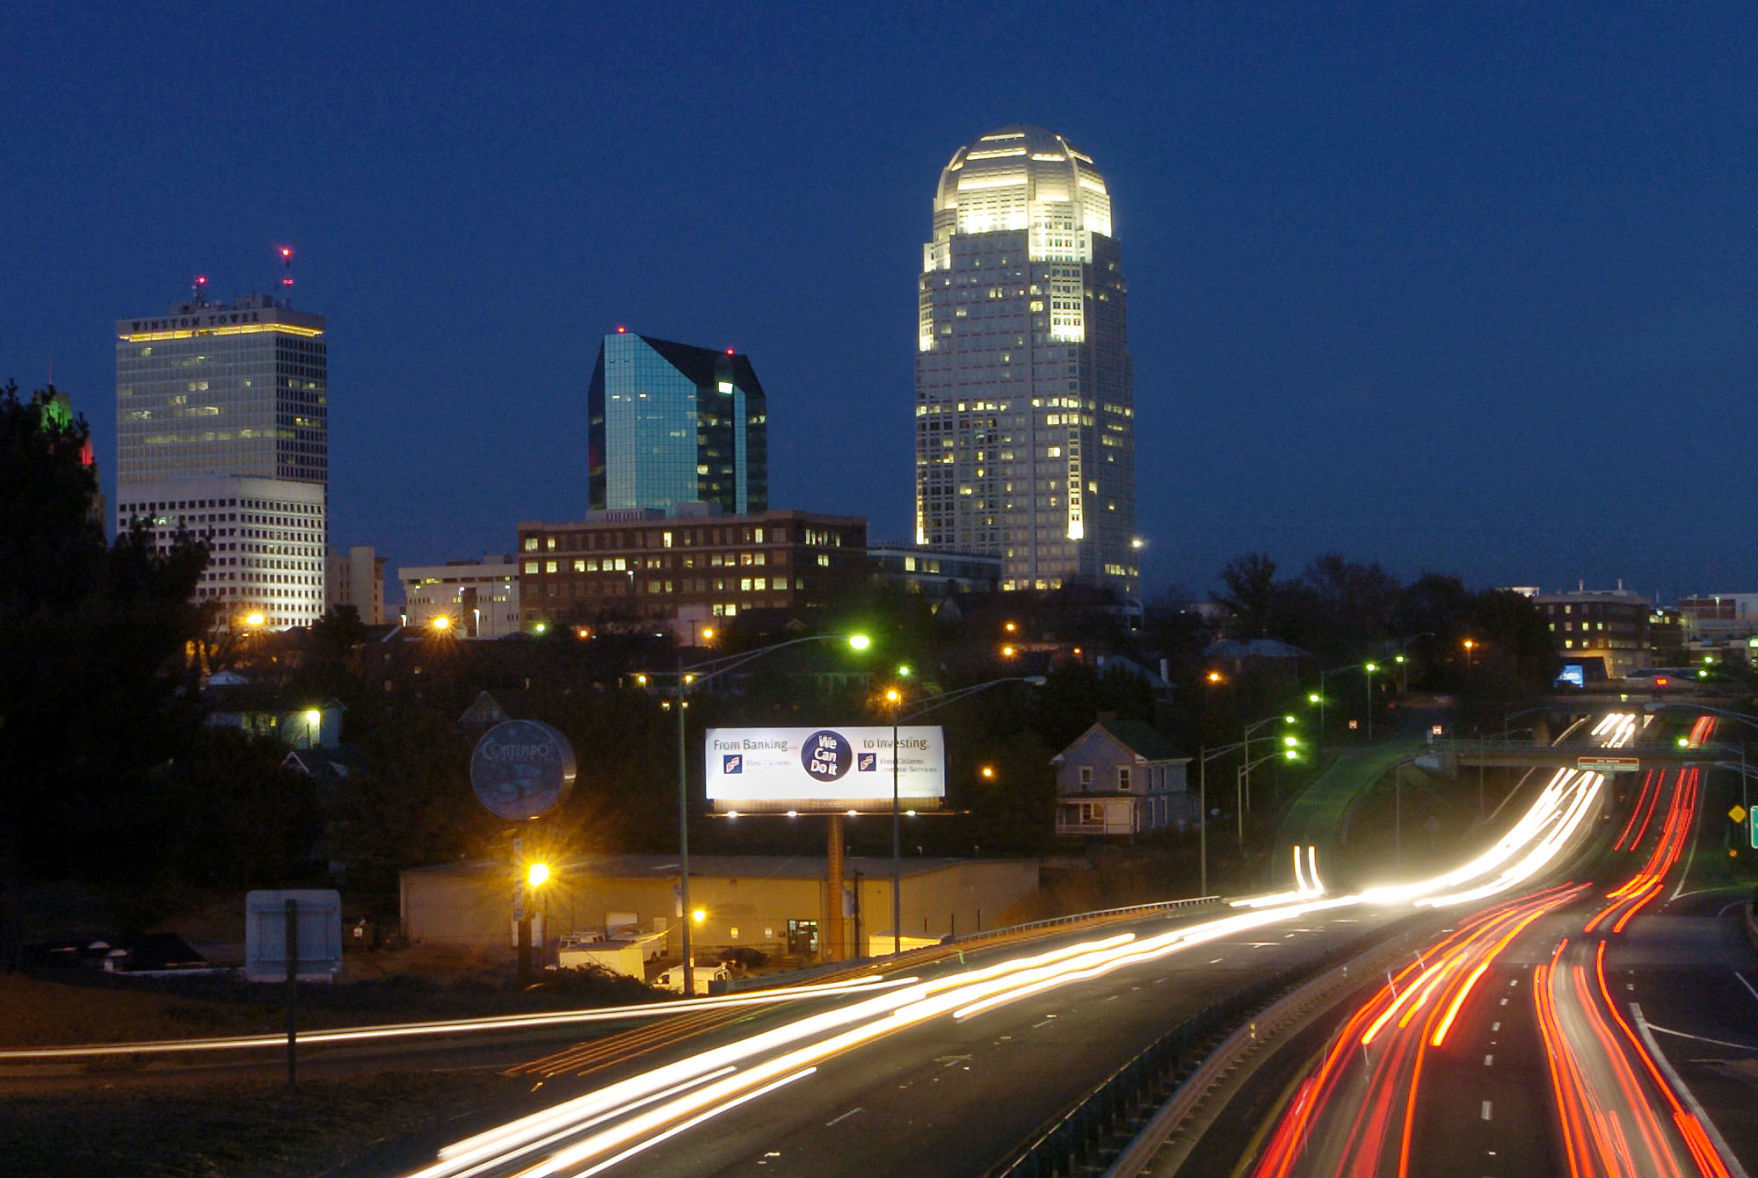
x,y
834,860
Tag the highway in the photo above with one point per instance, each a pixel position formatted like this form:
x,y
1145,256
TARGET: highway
x,y
1518,1044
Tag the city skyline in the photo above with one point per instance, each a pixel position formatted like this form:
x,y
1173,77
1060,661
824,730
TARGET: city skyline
x,y
1463,291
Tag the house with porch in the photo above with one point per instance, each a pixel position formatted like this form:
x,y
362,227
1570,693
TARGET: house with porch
x,y
1121,779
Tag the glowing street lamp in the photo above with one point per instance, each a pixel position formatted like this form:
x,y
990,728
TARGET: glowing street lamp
x,y
535,876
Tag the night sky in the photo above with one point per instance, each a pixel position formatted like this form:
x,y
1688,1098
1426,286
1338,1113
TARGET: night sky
x,y
1467,288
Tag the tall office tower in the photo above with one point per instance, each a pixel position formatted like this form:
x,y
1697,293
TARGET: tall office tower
x,y
1025,411
672,424
222,431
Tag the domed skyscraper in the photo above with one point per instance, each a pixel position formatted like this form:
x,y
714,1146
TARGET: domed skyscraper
x,y
1025,410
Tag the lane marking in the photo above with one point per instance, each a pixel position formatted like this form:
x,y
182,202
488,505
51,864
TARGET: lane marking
x,y
1643,1027
1494,1027
845,1116
1486,1107
1489,1061
1701,1038
1745,983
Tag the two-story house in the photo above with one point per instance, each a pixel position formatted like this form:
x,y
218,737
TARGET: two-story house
x,y
1120,779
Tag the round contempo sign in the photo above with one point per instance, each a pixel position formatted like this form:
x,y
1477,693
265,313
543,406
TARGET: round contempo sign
x,y
826,755
521,768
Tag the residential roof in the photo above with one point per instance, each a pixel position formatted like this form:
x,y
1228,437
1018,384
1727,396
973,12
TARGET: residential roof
x,y
1143,739
1257,648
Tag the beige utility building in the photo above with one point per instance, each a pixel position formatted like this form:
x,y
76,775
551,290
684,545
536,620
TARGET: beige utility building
x,y
777,904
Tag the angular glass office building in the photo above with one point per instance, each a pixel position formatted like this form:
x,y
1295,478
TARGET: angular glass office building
x,y
1025,405
670,424
222,430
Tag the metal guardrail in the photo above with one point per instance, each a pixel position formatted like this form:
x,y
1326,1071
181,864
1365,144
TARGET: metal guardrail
x,y
928,953
1096,1127
1014,930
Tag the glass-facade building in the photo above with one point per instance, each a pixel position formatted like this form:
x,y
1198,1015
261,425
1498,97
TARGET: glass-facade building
x,y
222,429
1025,404
670,424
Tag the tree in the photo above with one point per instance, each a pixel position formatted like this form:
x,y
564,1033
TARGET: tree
x,y
1252,593
1347,604
96,693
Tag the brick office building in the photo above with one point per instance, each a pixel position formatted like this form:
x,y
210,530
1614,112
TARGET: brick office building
x,y
646,566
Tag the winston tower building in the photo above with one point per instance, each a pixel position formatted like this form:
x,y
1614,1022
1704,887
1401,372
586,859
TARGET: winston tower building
x,y
1025,407
222,431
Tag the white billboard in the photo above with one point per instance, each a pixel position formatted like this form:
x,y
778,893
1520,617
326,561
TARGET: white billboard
x,y
770,769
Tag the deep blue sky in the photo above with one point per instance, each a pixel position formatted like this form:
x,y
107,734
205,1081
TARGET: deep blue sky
x,y
1458,287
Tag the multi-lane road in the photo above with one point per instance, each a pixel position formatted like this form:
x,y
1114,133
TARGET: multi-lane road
x,y
1589,1028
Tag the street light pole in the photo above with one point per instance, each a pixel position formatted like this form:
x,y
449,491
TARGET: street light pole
x,y
684,840
896,698
1241,783
1322,677
1202,821
1369,670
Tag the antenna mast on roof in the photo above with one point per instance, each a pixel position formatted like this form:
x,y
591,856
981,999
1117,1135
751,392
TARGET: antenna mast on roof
x,y
286,252
198,286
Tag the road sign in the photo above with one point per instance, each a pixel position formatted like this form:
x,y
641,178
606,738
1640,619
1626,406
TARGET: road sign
x,y
317,928
1752,828
1608,764
1738,813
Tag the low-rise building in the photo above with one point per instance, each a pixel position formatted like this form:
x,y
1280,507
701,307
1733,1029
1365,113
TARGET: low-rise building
x,y
479,599
1610,626
637,567
357,578
935,573
1121,779
267,710
772,903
